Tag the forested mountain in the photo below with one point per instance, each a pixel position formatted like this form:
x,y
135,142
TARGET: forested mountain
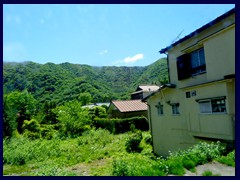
x,y
66,81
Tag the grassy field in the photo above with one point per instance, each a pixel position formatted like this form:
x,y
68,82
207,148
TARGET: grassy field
x,y
100,153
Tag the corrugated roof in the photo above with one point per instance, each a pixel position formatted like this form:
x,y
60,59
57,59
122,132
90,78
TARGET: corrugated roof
x,y
149,88
130,105
211,23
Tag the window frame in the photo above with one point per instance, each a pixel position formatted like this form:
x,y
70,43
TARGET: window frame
x,y
185,67
201,68
210,101
176,111
160,111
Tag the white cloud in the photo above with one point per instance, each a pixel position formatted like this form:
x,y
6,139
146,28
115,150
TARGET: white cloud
x,y
103,52
133,59
129,60
14,51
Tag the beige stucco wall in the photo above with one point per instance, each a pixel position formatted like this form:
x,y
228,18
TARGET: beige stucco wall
x,y
169,132
215,125
220,55
172,132
219,50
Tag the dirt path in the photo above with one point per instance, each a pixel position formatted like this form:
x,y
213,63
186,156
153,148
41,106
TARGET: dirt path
x,y
215,168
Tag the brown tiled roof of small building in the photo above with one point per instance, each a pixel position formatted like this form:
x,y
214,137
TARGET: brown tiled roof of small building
x,y
130,105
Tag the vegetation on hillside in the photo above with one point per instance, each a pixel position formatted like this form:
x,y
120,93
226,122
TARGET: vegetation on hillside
x,y
66,82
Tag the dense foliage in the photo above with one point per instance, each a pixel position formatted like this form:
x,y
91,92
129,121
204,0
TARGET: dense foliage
x,y
123,125
47,132
66,82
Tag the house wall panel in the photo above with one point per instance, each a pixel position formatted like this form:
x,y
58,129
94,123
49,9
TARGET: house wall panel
x,y
220,55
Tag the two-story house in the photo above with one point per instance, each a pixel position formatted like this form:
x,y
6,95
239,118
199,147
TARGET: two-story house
x,y
199,101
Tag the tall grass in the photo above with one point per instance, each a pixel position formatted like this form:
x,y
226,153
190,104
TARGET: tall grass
x,y
54,157
92,145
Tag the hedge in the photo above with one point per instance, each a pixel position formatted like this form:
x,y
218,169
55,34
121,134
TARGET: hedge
x,y
117,126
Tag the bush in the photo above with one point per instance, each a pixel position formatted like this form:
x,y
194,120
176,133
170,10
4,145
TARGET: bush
x,y
228,160
31,129
117,126
31,135
148,139
136,165
174,166
119,168
73,119
133,142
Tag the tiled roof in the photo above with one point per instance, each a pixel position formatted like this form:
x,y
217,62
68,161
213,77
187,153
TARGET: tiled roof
x,y
149,88
130,105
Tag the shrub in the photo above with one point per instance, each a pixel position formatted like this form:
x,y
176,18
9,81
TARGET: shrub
x,y
31,135
228,160
148,139
119,168
32,125
73,119
207,151
117,126
175,166
48,131
133,142
188,163
136,165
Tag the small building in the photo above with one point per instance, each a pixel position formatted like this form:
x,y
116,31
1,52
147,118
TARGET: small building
x,y
127,108
143,90
199,101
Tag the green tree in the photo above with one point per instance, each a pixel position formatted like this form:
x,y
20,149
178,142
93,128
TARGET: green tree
x,y
73,118
49,115
85,98
97,111
18,106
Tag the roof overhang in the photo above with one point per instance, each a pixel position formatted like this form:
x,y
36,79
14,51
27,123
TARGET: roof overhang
x,y
206,26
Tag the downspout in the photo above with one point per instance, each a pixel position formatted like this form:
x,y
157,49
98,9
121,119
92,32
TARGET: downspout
x,y
150,123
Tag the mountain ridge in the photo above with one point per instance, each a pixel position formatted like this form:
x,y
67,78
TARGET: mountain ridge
x,y
66,81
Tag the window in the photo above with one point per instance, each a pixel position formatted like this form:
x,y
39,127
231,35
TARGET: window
x,y
175,108
188,95
198,64
191,64
159,108
212,106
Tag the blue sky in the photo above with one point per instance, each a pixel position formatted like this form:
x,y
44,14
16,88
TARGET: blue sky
x,y
99,35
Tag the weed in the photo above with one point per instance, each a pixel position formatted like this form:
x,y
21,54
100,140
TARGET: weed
x,y
228,160
209,173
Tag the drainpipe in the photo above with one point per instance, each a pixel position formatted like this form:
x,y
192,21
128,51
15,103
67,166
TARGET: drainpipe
x,y
150,122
